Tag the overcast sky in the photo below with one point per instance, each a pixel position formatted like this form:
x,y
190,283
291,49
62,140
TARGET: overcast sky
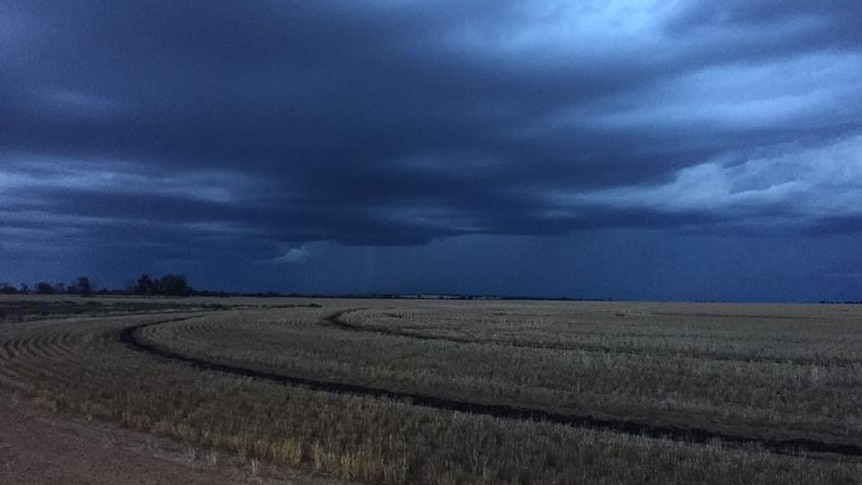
x,y
660,149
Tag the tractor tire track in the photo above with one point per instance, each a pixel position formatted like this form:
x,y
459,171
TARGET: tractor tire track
x,y
129,337
335,321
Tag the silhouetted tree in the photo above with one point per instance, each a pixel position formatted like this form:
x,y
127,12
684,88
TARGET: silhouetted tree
x,y
24,288
145,285
173,285
168,285
84,288
44,288
7,289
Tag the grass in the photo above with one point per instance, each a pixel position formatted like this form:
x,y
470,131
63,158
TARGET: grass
x,y
76,364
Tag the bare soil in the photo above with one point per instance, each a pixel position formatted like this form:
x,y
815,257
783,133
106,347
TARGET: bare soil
x,y
38,446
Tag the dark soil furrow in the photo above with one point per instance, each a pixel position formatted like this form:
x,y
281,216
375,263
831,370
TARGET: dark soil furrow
x,y
336,322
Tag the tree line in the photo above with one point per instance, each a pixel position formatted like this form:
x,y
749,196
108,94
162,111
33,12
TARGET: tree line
x,y
168,285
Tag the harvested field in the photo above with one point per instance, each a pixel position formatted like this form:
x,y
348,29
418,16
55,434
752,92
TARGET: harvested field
x,y
397,391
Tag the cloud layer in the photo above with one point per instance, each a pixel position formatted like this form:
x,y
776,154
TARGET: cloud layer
x,y
251,127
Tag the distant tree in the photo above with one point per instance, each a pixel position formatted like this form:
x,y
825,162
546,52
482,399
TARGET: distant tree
x,y
173,285
44,288
145,285
7,289
168,285
24,288
84,287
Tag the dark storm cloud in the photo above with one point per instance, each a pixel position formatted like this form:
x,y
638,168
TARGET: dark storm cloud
x,y
266,122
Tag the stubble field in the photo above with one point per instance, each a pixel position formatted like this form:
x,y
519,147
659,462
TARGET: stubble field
x,y
432,391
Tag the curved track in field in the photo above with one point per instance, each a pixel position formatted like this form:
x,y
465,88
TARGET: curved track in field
x,y
693,435
336,321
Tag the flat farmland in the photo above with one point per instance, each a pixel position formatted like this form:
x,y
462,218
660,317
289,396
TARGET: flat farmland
x,y
440,391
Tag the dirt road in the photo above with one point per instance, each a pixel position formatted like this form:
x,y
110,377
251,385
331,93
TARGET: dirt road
x,y
41,447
